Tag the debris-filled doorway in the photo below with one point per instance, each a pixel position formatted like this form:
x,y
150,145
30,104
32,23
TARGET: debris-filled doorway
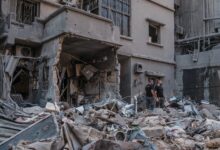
x,y
20,74
20,83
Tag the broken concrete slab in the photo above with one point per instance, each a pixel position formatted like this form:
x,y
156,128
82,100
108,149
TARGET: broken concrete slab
x,y
154,132
33,110
159,111
42,129
111,145
207,114
52,107
161,145
213,144
185,143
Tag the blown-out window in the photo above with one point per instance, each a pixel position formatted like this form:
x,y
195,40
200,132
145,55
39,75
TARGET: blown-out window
x,y
154,33
27,10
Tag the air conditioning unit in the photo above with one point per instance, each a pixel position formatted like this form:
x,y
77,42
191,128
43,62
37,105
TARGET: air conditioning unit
x,y
138,68
23,51
68,2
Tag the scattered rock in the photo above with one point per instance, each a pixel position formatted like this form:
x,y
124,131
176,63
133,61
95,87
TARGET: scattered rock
x,y
155,132
207,114
215,143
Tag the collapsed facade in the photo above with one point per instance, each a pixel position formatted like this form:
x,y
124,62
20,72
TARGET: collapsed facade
x,y
197,49
80,51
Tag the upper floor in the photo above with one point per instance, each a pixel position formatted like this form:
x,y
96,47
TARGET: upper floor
x,y
197,26
34,22
146,27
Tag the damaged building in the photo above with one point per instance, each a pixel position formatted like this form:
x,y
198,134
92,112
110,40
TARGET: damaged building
x,y
197,49
52,52
74,51
73,74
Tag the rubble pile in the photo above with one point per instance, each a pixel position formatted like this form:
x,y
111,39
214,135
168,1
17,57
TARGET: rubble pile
x,y
111,125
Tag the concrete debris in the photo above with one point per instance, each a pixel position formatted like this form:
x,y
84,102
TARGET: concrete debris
x,y
215,143
109,124
88,71
111,145
52,107
33,110
44,128
155,132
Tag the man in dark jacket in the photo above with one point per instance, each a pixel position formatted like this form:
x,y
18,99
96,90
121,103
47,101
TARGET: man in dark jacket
x,y
159,94
150,94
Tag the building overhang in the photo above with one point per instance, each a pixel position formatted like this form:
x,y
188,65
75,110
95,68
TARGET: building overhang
x,y
154,74
78,45
76,24
65,21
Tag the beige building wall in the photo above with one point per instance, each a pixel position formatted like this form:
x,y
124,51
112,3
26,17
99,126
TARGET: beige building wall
x,y
158,58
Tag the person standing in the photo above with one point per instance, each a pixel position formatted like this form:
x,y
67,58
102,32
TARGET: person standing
x,y
159,94
150,102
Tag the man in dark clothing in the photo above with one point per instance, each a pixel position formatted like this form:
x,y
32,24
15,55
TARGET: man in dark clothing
x,y
159,94
150,94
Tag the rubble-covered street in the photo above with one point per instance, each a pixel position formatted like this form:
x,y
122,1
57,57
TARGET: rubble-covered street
x,y
109,75
110,124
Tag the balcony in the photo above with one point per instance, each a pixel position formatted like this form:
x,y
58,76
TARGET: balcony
x,y
68,20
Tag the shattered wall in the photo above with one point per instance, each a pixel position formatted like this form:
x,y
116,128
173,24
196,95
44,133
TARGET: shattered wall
x,y
90,76
48,89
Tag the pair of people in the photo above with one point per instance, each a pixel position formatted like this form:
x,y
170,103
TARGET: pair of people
x,y
154,94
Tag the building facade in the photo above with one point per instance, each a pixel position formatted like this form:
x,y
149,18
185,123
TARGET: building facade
x,y
149,50
78,51
197,49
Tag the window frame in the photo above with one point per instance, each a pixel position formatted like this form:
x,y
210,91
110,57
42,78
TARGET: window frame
x,y
158,25
157,34
35,11
118,14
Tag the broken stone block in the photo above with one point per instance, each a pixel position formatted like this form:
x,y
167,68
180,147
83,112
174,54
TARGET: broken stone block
x,y
175,132
112,145
198,138
174,112
159,111
215,143
212,124
52,107
139,121
185,143
162,145
155,132
154,120
207,114
33,110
